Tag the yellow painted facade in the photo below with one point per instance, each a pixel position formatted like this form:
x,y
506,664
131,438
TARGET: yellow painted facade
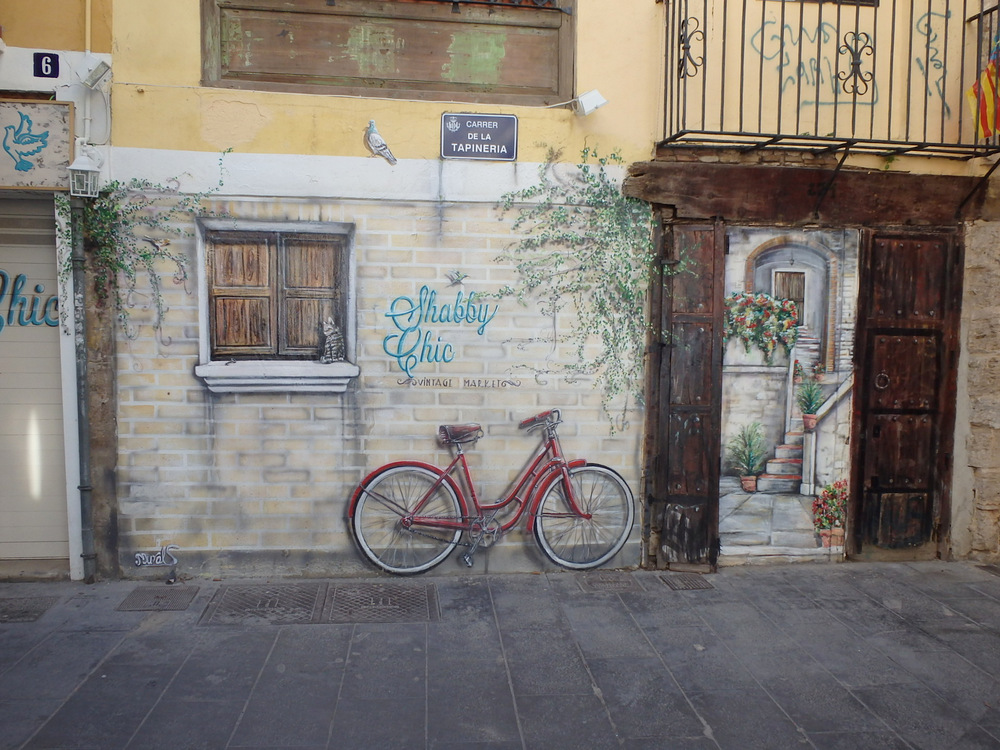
x,y
157,80
57,24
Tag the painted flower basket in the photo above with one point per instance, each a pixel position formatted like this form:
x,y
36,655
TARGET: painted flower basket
x,y
761,321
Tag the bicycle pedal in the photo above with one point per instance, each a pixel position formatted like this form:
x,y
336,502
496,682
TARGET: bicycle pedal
x,y
467,559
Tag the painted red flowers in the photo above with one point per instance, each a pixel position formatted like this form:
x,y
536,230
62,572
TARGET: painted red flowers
x,y
760,320
830,507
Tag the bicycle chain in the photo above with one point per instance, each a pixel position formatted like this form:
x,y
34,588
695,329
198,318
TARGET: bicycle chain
x,y
474,542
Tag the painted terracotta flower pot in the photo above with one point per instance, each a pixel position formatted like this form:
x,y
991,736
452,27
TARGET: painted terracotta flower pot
x,y
749,483
832,537
809,422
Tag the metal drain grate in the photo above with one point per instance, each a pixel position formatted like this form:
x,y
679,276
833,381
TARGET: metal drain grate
x,y
280,604
382,602
597,583
686,581
23,609
159,599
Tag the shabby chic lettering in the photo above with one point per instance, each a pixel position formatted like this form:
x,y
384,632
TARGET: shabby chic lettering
x,y
414,342
32,310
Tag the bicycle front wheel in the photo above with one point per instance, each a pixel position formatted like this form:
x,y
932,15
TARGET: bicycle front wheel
x,y
573,541
396,494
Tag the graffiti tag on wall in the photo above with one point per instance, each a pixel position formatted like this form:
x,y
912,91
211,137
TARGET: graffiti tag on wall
x,y
418,338
22,310
815,59
933,68
806,57
159,559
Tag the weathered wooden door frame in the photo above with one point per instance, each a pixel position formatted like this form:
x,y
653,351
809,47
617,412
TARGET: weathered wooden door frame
x,y
683,425
868,326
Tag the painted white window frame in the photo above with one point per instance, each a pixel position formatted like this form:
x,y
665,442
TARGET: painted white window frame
x,y
278,376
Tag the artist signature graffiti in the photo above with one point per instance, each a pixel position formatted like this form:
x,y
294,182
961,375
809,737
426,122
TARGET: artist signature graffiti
x,y
163,558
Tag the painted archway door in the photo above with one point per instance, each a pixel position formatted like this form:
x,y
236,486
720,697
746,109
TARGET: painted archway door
x,y
907,352
685,397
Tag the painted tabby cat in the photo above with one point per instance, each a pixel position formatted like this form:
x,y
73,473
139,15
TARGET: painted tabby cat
x,y
333,343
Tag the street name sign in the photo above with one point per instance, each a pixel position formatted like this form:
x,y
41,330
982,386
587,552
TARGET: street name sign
x,y
478,136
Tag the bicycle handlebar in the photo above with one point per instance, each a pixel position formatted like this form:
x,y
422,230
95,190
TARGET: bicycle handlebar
x,y
546,417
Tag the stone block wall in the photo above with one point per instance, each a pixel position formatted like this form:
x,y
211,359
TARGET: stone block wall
x,y
258,483
979,395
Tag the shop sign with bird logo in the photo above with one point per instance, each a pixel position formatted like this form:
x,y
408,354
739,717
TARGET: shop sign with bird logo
x,y
36,144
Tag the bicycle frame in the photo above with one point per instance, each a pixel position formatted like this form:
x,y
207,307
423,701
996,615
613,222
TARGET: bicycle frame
x,y
547,465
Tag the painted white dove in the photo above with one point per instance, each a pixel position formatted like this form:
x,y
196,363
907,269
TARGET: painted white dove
x,y
377,143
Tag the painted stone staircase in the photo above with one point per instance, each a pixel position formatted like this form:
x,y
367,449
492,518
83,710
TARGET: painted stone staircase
x,y
783,473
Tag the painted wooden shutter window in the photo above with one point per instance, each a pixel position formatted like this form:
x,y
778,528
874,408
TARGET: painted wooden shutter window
x,y
428,50
270,293
311,291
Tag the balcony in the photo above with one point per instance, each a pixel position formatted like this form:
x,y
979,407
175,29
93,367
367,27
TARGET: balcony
x,y
889,77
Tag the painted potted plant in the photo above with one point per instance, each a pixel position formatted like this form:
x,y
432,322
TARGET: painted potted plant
x,y
809,397
829,510
747,451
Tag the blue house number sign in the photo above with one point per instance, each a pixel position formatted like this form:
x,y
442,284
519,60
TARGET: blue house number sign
x,y
46,65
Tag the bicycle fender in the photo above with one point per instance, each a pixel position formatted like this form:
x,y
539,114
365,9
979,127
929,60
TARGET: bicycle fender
x,y
553,475
415,464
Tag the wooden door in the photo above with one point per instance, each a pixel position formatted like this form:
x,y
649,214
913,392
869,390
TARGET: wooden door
x,y
905,394
684,420
791,285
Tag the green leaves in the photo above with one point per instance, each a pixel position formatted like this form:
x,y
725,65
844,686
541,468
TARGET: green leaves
x,y
126,231
588,247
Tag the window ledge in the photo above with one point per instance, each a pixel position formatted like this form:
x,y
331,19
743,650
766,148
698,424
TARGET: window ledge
x,y
283,377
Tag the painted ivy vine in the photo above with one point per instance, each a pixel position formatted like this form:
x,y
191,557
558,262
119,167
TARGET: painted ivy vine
x,y
587,246
126,234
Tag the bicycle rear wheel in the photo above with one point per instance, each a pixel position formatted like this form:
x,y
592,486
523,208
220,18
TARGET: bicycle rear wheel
x,y
573,541
388,498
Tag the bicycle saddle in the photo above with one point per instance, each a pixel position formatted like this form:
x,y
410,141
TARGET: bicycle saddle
x,y
459,433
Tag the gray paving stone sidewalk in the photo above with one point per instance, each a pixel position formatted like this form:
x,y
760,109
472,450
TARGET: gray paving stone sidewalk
x,y
822,656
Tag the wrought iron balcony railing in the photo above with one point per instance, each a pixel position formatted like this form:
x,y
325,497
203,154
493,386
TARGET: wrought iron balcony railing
x,y
883,76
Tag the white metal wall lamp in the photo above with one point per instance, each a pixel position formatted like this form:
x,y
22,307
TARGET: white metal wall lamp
x,y
95,72
584,104
85,171
588,101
